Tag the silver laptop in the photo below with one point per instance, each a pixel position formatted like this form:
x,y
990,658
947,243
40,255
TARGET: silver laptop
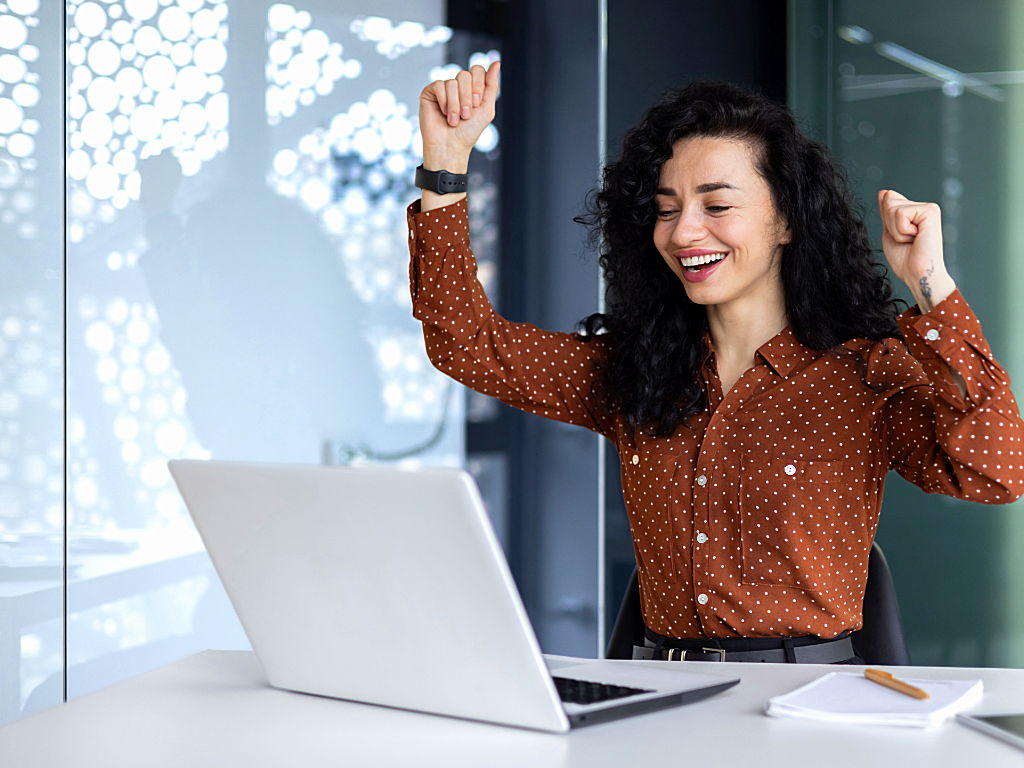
x,y
388,586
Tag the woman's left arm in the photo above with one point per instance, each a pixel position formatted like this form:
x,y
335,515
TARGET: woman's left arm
x,y
963,435
912,242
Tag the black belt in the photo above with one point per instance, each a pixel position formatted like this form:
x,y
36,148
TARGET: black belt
x,y
781,650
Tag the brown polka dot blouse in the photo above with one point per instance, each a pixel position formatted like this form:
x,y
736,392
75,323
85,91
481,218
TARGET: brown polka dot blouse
x,y
757,522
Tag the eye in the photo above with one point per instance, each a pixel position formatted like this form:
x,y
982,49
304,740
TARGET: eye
x,y
718,208
665,213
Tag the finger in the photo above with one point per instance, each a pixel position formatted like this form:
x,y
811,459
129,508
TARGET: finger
x,y
909,220
895,222
465,81
888,205
916,216
888,199
478,73
452,89
440,96
905,218
885,211
491,80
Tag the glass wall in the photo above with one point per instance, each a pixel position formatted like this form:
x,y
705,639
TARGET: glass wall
x,y
229,201
929,101
31,354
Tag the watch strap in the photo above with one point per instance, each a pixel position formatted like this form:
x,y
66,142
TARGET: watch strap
x,y
441,182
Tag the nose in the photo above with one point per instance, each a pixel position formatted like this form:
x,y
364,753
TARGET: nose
x,y
689,227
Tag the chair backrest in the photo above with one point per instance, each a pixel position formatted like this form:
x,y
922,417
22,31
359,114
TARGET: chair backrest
x,y
879,641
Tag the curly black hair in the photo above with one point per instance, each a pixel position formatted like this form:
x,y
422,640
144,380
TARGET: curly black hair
x,y
835,289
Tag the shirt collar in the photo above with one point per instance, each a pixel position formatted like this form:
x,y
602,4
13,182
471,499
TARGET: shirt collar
x,y
784,353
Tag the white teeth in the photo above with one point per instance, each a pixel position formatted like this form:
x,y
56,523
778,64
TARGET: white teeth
x,y
696,261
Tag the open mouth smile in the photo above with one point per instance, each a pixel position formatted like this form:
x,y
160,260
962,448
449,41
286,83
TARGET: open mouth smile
x,y
696,263
699,266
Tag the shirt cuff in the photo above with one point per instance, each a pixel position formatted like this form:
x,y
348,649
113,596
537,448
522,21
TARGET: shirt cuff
x,y
438,230
947,337
441,260
941,331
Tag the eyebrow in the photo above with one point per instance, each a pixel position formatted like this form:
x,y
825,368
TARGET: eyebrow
x,y
701,188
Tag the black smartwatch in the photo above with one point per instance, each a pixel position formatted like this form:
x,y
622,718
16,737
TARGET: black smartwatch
x,y
441,182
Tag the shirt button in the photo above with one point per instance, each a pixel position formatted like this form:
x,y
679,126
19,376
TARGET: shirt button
x,y
790,469
636,459
932,335
701,538
702,481
702,599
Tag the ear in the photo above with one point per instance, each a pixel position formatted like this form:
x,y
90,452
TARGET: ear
x,y
786,237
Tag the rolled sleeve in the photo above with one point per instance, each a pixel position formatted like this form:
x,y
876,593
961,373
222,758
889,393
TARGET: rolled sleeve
x,y
948,337
442,269
967,447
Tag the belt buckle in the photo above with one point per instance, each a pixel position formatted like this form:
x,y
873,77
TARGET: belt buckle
x,y
683,652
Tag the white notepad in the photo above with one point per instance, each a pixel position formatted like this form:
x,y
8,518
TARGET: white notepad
x,y
848,697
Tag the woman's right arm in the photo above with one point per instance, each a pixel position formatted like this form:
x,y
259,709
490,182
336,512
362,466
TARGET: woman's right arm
x,y
549,374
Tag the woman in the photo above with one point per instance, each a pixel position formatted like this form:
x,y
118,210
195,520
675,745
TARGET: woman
x,y
753,373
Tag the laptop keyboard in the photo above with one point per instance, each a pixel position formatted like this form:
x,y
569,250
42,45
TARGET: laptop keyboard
x,y
586,692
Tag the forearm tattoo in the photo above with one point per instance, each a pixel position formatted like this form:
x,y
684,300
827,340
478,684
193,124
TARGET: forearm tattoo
x,y
926,290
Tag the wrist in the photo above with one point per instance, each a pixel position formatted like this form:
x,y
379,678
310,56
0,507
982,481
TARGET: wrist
x,y
931,289
430,201
441,161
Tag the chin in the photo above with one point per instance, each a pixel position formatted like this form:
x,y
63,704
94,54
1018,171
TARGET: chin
x,y
704,295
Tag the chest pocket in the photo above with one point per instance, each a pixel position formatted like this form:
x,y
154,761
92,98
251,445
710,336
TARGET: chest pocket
x,y
788,511
646,479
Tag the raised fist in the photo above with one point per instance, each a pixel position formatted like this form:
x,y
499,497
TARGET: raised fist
x,y
453,114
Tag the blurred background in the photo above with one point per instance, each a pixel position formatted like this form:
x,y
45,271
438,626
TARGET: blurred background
x,y
210,260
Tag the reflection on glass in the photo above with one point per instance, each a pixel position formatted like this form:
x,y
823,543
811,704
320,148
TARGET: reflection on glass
x,y
239,294
31,361
144,83
927,107
237,284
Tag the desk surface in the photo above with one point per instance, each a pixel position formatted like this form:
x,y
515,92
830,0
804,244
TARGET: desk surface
x,y
214,709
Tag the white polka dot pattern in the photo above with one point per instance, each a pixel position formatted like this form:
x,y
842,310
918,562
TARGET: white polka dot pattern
x,y
756,521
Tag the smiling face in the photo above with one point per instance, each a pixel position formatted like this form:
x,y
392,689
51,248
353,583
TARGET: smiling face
x,y
717,228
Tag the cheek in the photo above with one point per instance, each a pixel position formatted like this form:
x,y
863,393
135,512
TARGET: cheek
x,y
661,236
671,263
733,231
755,241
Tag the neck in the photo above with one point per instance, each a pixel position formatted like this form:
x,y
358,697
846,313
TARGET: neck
x,y
738,328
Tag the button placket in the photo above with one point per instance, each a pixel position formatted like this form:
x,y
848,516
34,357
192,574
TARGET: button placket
x,y
702,509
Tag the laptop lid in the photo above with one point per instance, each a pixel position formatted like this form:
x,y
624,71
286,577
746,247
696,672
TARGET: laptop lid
x,y
373,584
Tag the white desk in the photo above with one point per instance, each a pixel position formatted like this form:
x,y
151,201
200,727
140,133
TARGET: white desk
x,y
214,709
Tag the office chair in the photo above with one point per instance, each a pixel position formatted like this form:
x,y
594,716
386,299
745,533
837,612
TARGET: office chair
x,y
879,641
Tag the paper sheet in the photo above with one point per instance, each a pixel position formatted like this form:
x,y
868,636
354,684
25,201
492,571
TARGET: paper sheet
x,y
848,697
